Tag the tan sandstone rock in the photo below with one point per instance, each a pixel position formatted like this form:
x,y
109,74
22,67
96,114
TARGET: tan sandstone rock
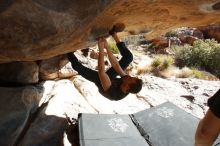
x,y
41,29
19,73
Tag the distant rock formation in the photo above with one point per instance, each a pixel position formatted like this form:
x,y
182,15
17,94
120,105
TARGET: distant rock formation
x,y
211,31
185,36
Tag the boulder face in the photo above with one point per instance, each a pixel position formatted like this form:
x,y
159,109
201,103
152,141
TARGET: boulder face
x,y
21,73
39,29
211,31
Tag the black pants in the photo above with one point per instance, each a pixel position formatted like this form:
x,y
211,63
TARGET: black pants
x,y
214,103
92,75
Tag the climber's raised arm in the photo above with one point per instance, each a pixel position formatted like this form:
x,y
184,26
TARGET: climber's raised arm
x,y
114,62
104,78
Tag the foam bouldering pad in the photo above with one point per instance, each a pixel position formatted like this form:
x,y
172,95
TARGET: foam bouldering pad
x,y
168,125
108,130
163,125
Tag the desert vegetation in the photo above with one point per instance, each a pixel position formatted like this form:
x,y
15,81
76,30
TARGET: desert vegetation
x,y
198,60
203,55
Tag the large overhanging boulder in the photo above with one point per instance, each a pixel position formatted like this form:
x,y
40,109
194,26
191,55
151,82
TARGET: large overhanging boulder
x,y
33,30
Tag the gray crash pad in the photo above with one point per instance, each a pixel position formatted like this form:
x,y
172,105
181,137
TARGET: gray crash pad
x,y
108,130
163,125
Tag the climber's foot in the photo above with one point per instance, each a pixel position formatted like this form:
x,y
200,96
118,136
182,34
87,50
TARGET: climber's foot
x,y
118,27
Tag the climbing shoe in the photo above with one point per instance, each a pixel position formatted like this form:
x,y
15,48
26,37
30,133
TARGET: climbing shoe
x,y
118,27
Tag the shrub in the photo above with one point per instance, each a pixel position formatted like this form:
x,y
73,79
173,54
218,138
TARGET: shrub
x,y
144,70
113,47
172,33
198,74
168,61
162,62
203,54
185,73
156,62
182,55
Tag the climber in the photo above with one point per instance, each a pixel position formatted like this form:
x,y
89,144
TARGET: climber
x,y
208,128
107,82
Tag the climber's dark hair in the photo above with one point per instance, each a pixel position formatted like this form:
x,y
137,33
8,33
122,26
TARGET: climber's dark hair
x,y
136,87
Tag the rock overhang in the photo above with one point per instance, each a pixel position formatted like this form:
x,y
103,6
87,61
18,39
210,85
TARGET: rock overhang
x,y
39,29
